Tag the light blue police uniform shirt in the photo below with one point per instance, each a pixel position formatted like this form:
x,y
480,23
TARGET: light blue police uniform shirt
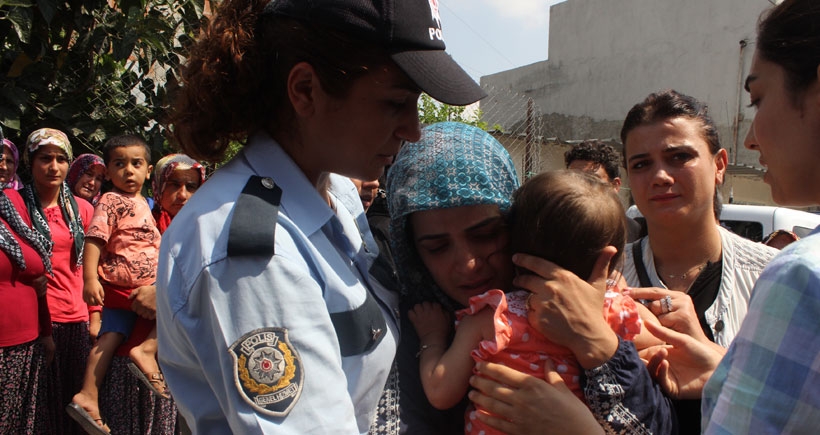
x,y
207,302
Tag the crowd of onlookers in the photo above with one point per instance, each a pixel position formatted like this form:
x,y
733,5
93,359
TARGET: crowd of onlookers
x,y
463,301
78,336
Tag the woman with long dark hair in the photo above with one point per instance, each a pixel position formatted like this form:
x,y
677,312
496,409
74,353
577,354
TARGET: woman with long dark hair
x,y
768,380
701,275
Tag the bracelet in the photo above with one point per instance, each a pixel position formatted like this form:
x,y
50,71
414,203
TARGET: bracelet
x,y
424,347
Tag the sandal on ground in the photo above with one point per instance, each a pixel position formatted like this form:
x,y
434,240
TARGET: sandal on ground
x,y
154,381
93,426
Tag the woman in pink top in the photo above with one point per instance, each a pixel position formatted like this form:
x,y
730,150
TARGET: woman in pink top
x,y
24,322
62,218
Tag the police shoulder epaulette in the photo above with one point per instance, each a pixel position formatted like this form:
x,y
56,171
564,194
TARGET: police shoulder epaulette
x,y
253,225
361,329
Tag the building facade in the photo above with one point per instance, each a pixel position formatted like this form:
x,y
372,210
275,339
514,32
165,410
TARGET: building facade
x,y
607,55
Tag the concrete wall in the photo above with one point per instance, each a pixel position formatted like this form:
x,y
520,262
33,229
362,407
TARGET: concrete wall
x,y
607,55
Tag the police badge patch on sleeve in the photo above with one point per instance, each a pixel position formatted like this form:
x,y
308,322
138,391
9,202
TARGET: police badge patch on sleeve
x,y
267,370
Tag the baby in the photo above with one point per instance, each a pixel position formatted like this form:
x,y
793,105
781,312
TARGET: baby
x,y
566,217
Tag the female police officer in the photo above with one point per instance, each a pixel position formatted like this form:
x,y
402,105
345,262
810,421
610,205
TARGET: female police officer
x,y
267,319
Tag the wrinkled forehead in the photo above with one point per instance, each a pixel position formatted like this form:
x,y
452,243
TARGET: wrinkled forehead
x,y
187,174
95,170
7,153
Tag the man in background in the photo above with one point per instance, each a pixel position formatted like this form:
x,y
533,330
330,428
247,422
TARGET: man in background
x,y
601,160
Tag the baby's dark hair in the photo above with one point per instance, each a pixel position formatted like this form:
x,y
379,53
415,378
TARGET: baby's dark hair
x,y
567,217
125,140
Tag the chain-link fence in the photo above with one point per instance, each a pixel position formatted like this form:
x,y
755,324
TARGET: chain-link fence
x,y
127,109
521,126
518,123
515,121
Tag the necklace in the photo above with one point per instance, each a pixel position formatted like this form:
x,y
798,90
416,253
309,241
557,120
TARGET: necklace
x,y
685,274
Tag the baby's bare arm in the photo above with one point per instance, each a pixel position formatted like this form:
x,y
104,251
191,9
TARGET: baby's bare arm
x,y
445,372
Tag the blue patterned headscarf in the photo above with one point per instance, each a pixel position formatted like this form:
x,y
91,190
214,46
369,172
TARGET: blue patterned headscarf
x,y
453,165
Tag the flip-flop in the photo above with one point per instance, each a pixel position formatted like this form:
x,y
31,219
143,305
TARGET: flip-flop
x,y
155,377
84,420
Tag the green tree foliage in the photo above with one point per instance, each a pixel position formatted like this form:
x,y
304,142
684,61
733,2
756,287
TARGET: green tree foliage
x,y
91,68
432,111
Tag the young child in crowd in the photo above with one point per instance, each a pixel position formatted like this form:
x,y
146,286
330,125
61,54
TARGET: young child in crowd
x,y
121,251
566,217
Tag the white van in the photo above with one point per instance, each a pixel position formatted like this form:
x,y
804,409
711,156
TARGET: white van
x,y
757,221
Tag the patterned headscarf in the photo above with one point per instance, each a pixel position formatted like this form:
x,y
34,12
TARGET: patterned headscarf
x,y
83,163
162,171
65,199
8,243
15,182
453,165
48,136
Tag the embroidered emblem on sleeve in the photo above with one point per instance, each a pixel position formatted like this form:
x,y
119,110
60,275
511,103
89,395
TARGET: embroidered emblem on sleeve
x,y
267,371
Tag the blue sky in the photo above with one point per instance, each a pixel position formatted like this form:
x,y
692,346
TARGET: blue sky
x,y
488,36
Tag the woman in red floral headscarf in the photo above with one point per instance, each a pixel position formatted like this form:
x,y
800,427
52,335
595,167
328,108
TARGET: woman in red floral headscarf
x,y
85,177
176,178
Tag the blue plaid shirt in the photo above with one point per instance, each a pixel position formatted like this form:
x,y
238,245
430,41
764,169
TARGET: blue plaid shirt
x,y
769,380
